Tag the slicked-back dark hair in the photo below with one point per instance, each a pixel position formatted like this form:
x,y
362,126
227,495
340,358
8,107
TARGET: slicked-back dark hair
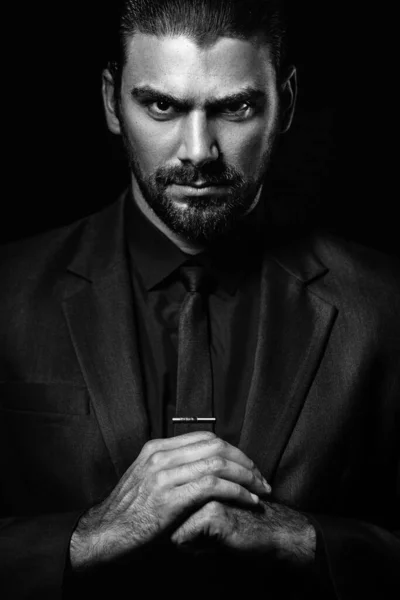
x,y
201,20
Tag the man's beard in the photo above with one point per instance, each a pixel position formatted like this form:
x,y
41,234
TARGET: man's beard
x,y
204,219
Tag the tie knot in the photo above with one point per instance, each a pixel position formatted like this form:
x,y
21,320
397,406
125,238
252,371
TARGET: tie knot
x,y
194,278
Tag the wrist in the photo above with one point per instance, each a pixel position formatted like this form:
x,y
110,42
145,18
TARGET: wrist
x,y
297,545
85,545
95,542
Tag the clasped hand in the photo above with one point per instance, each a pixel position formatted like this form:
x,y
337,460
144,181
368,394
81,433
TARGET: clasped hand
x,y
186,487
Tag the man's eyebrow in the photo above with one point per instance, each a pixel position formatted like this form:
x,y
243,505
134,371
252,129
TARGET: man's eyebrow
x,y
247,94
150,94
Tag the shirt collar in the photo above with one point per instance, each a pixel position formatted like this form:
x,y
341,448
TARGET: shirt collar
x,y
156,257
153,254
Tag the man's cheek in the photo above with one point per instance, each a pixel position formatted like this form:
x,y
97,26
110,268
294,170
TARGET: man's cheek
x,y
246,156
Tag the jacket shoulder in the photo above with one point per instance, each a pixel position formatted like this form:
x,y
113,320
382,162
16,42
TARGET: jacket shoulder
x,y
46,253
364,284
357,268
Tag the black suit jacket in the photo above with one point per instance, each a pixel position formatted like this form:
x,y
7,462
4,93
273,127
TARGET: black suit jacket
x,y
321,419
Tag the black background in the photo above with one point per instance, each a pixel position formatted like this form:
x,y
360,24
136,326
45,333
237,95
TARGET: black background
x,y
60,162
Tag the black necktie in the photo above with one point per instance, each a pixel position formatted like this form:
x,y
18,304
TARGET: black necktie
x,y
194,381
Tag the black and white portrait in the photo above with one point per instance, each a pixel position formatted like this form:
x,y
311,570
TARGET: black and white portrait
x,y
199,302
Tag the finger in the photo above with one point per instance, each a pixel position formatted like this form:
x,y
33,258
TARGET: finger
x,y
208,488
191,528
219,467
204,449
174,443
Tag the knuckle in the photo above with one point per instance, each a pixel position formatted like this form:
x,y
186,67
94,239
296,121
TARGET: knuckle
x,y
212,509
198,468
209,482
217,464
237,489
148,448
149,445
159,479
220,445
209,434
155,459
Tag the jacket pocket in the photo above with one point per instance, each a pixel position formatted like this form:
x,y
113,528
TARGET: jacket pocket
x,y
53,398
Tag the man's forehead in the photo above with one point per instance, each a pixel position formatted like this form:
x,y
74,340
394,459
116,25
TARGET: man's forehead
x,y
181,66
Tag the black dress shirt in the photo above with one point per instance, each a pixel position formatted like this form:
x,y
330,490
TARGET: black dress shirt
x,y
233,305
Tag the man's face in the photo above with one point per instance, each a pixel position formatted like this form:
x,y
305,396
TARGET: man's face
x,y
199,124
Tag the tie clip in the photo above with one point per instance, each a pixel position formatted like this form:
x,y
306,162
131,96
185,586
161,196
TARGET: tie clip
x,y
193,419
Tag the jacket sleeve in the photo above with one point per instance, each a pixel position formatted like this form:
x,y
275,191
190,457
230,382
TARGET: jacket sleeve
x,y
33,555
357,559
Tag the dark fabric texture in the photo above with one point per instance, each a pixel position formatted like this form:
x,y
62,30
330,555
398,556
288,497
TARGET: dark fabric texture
x,y
194,395
320,414
232,310
21,573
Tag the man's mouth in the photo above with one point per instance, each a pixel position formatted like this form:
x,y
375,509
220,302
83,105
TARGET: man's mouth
x,y
200,188
202,184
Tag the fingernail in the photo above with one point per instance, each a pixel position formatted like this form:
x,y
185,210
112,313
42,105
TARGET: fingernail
x,y
255,498
267,486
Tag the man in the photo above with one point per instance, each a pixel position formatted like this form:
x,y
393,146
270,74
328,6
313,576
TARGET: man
x,y
288,485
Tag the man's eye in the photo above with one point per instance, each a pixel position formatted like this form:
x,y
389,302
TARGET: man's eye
x,y
161,108
237,107
238,110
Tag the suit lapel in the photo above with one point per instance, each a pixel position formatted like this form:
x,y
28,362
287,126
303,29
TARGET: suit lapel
x,y
294,327
98,306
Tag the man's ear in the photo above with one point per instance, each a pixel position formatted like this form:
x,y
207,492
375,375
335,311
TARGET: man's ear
x,y
288,91
110,102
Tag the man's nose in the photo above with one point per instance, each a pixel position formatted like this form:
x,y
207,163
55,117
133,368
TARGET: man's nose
x,y
198,143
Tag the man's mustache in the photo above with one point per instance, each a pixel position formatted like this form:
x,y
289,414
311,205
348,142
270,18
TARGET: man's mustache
x,y
209,173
